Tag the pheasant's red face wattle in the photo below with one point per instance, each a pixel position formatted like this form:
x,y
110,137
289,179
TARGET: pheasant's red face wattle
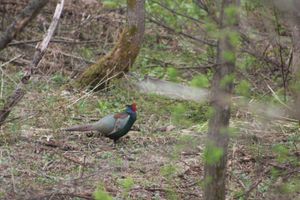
x,y
133,107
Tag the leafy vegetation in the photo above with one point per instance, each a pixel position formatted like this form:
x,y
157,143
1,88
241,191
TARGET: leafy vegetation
x,y
164,154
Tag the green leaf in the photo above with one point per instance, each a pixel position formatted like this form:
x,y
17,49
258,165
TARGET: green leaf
x,y
232,131
210,112
110,4
178,111
172,73
168,171
229,56
101,194
87,53
212,154
234,38
231,13
228,79
127,183
247,62
59,79
212,28
243,88
280,149
157,72
282,153
200,81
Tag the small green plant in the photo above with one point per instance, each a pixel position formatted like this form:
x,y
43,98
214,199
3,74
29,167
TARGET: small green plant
x,y
232,14
101,194
234,38
113,4
243,88
212,154
82,106
179,112
158,72
229,56
169,171
172,74
103,106
282,153
246,62
106,155
87,53
127,185
200,81
227,80
58,79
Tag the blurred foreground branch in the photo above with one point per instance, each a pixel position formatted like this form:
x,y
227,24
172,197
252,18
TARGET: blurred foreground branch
x,y
178,91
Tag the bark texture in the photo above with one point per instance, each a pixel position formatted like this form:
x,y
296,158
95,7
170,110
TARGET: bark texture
x,y
222,84
290,13
123,55
296,65
27,14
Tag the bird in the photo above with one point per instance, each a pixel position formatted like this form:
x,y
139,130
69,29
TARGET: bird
x,y
113,126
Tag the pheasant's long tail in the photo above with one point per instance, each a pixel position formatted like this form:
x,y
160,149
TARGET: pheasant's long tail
x,y
88,127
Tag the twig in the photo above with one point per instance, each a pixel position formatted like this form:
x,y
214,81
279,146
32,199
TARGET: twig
x,y
87,196
50,143
177,13
103,80
2,85
253,186
66,54
169,190
3,73
12,175
277,98
151,19
53,41
54,144
77,162
11,60
20,91
27,14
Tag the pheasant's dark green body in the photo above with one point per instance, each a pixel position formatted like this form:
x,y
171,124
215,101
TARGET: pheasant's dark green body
x,y
121,132
112,126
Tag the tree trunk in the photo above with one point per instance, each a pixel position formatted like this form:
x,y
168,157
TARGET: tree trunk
x,y
289,10
22,19
222,84
123,55
296,66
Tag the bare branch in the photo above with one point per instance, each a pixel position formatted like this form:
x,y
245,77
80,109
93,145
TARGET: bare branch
x,y
27,14
202,41
20,91
177,13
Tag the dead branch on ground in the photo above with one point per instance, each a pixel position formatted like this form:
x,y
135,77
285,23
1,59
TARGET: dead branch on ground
x,y
27,14
20,91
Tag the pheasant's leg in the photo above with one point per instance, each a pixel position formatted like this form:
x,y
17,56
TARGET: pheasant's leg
x,y
116,141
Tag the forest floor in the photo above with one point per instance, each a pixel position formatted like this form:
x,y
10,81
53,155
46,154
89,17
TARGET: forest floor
x,y
161,158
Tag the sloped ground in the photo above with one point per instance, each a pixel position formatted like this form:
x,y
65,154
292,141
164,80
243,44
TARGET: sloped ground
x,y
38,161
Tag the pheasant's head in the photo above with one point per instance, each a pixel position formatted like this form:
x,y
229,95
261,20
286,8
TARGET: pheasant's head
x,y
131,108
